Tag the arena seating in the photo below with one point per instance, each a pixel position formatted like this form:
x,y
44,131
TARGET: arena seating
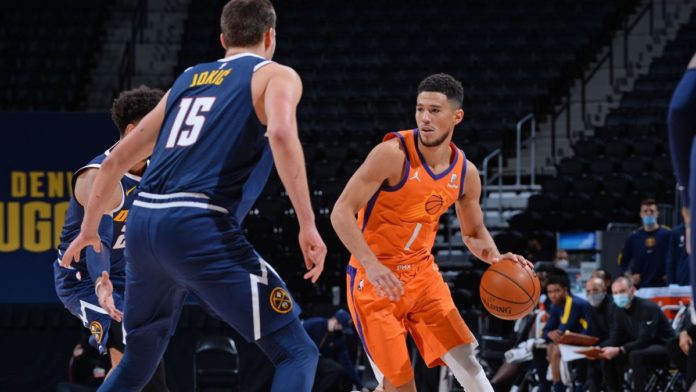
x,y
626,161
47,52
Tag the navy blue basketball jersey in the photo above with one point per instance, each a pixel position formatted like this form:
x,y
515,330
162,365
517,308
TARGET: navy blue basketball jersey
x,y
211,141
75,213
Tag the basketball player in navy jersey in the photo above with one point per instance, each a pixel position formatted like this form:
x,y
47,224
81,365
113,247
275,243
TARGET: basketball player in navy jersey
x,y
86,289
213,139
681,123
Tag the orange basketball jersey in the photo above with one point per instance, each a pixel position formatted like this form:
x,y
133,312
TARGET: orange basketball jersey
x,y
399,223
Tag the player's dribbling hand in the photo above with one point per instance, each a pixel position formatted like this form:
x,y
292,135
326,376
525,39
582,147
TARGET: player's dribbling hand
x,y
384,280
516,258
105,293
82,241
314,252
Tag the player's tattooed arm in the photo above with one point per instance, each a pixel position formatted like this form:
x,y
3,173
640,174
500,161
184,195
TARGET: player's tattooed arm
x,y
474,232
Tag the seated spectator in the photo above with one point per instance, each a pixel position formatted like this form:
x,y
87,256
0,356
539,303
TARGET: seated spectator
x,y
677,259
335,364
682,351
638,337
603,274
567,313
86,369
601,318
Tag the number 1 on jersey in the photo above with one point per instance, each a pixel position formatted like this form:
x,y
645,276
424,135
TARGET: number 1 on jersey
x,y
189,121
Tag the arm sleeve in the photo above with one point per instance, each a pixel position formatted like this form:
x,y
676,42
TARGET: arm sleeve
x,y
681,124
99,262
647,330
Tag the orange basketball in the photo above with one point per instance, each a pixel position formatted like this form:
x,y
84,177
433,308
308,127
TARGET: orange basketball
x,y
509,291
433,204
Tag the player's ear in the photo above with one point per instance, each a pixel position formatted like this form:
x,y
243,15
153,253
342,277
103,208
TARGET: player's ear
x,y
458,116
268,37
222,41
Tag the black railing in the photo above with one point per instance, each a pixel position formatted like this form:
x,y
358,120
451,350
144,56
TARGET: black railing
x,y
627,28
127,66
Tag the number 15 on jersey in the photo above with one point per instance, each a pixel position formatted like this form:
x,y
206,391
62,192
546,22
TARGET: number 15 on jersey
x,y
189,121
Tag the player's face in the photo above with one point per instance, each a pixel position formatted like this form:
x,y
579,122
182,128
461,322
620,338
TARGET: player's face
x,y
436,118
556,293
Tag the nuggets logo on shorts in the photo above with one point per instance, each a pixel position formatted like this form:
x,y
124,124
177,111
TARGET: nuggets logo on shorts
x,y
95,328
280,300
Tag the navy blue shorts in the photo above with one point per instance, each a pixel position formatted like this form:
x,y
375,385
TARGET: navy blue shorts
x,y
179,243
78,296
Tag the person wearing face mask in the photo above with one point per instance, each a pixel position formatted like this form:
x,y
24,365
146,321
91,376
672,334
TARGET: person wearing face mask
x,y
601,319
638,337
645,250
561,259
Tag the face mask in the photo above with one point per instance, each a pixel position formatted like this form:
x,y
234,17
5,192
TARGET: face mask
x,y
621,300
596,298
563,263
649,220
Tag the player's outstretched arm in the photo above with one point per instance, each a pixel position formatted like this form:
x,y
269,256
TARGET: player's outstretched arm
x,y
282,95
135,147
97,262
474,232
384,163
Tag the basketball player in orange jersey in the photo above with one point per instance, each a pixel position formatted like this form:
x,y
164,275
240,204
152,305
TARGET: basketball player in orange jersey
x,y
399,193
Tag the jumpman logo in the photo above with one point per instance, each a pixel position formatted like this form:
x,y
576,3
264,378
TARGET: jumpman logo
x,y
415,175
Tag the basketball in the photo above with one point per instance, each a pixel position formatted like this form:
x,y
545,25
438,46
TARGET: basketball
x,y
509,291
433,204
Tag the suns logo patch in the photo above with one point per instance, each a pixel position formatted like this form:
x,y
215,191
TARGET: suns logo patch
x,y
95,328
280,300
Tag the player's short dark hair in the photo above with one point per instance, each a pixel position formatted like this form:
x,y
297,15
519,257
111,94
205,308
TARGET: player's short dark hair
x,y
243,22
648,202
559,279
132,105
446,84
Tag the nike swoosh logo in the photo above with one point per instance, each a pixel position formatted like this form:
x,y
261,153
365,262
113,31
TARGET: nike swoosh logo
x,y
130,190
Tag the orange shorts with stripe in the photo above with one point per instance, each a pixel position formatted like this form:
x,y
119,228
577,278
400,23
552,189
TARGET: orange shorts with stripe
x,y
426,310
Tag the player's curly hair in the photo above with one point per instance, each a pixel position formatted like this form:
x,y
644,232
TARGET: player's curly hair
x,y
243,22
446,84
559,279
132,105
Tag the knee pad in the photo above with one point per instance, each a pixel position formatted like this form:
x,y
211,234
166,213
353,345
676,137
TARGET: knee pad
x,y
466,369
462,357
